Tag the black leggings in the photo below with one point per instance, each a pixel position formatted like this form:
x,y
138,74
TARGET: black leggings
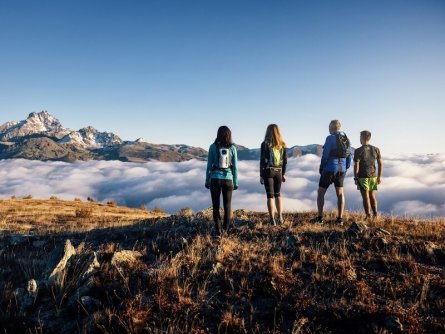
x,y
272,182
218,186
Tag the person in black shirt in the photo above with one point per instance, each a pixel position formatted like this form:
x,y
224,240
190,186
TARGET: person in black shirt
x,y
272,169
365,176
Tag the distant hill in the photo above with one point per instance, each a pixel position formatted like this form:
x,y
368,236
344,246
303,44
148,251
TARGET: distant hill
x,y
41,136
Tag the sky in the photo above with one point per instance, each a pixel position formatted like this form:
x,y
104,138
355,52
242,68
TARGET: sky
x,y
173,71
412,185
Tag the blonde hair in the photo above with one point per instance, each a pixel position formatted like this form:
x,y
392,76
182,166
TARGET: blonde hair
x,y
273,137
335,125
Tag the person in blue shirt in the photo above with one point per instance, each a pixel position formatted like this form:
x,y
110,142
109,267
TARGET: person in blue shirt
x,y
222,176
335,161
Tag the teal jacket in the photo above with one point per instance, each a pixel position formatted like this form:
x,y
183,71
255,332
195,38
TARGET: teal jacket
x,y
228,174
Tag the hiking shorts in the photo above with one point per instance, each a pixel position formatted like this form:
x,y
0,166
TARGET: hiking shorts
x,y
327,178
272,182
367,183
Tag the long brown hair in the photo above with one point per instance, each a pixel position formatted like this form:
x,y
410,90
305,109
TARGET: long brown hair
x,y
273,137
224,137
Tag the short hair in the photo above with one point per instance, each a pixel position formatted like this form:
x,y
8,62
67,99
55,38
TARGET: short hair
x,y
366,135
335,125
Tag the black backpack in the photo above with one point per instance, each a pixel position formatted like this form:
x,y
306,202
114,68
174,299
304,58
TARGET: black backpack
x,y
343,148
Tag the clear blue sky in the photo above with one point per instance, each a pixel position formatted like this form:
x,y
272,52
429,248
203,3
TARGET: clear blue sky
x,y
173,71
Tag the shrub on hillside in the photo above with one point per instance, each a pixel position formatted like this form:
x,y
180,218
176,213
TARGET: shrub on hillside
x,y
187,212
85,212
111,203
158,210
27,197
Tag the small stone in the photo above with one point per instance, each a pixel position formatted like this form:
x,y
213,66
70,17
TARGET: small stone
x,y
32,287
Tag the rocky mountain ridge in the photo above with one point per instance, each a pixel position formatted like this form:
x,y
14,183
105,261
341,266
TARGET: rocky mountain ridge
x,y
41,136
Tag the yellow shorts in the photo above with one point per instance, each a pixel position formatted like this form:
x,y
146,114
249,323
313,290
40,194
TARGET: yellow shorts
x,y
367,183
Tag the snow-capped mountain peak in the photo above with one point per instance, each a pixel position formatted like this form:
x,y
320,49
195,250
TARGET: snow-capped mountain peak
x,y
90,137
36,123
42,122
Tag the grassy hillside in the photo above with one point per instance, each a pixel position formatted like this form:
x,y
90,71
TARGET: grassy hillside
x,y
170,275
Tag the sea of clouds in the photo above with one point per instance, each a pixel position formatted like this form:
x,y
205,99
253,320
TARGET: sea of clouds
x,y
412,185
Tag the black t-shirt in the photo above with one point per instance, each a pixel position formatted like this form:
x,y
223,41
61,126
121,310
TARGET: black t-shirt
x,y
367,156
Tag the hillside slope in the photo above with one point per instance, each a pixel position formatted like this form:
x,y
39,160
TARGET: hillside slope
x,y
171,275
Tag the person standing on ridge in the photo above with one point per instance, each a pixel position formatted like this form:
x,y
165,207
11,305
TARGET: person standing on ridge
x,y
365,177
336,159
273,163
222,176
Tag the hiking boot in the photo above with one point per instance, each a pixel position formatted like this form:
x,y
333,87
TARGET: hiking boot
x,y
280,221
272,222
318,220
339,221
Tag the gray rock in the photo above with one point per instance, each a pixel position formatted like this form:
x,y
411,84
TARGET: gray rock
x,y
92,266
357,229
69,251
82,291
24,299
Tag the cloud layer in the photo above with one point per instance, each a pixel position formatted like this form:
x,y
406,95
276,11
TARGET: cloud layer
x,y
412,185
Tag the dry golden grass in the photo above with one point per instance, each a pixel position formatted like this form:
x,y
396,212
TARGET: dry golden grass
x,y
294,278
31,216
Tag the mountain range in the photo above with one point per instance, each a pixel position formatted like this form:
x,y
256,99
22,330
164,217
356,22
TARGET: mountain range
x,y
41,136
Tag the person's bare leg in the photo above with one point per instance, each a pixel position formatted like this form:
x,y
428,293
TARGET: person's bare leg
x,y
279,206
320,200
271,207
366,204
340,201
373,200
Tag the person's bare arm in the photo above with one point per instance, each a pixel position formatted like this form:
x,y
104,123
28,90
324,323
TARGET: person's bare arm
x,y
380,167
356,169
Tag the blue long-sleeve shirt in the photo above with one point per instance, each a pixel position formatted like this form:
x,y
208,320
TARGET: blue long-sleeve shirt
x,y
333,164
226,174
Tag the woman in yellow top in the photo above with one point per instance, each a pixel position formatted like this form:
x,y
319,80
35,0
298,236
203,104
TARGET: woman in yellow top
x,y
272,169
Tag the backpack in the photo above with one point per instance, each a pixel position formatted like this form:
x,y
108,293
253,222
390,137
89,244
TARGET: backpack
x,y
343,148
275,157
224,158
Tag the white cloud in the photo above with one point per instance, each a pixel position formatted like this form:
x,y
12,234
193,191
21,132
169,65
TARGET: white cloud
x,y
412,185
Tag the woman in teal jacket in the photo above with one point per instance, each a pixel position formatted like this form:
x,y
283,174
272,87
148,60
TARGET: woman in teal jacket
x,y
222,175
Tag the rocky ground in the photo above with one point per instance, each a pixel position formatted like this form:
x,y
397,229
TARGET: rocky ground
x,y
172,275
